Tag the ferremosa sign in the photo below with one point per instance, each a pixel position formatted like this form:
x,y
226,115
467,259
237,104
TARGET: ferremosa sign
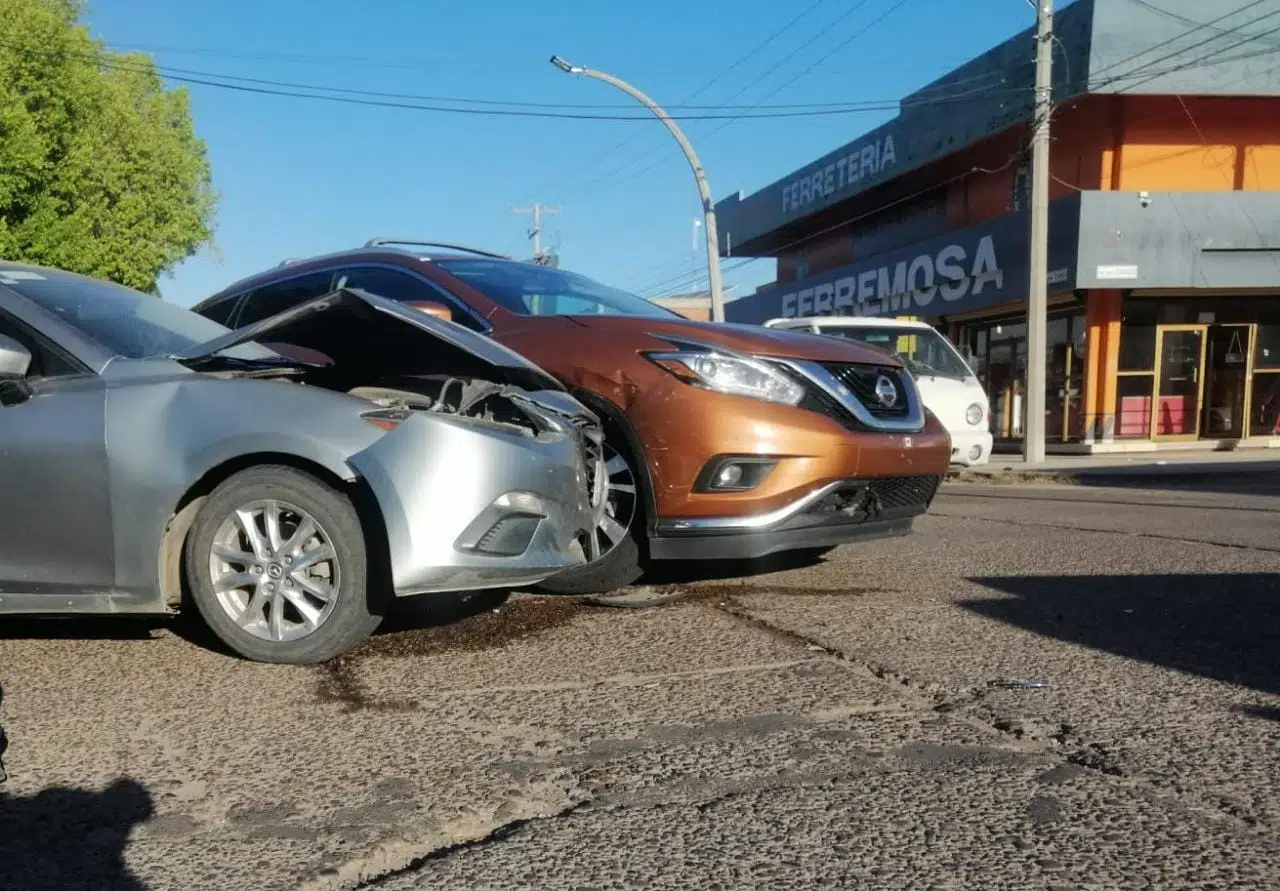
x,y
981,266
910,286
848,170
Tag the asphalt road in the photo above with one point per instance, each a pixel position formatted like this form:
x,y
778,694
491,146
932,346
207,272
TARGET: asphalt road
x,y
836,725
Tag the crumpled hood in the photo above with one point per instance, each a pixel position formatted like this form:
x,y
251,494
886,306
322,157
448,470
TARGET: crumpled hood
x,y
352,326
755,339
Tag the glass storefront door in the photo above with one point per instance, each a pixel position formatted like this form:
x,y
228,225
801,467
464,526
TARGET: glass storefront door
x,y
998,350
1176,409
1226,377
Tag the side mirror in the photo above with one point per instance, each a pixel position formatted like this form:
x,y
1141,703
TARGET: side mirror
x,y
15,359
432,308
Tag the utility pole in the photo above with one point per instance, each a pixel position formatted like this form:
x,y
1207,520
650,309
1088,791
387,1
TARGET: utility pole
x,y
704,190
535,231
1033,432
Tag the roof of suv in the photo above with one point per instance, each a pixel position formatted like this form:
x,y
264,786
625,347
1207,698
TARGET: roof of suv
x,y
410,249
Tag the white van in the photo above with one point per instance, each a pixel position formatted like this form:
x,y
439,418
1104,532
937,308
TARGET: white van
x,y
947,385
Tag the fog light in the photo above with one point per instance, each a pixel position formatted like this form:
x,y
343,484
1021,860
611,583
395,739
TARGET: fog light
x,y
733,473
729,476
975,452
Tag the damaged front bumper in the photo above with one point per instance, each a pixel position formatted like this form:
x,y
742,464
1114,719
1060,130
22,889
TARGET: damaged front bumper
x,y
471,505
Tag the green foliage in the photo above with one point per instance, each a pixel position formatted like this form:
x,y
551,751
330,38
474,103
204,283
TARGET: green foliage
x,y
100,169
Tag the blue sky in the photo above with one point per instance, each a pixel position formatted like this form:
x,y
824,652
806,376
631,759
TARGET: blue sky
x,y
299,177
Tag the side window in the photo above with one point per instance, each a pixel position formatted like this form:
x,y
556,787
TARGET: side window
x,y
220,312
402,288
46,360
271,299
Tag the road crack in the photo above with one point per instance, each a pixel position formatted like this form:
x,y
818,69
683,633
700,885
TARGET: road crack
x,y
967,706
494,836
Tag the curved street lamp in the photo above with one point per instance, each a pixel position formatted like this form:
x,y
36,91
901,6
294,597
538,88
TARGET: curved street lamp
x,y
704,191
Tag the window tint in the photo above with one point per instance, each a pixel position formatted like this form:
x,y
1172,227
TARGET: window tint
x,y
271,299
220,312
531,290
45,360
124,321
923,350
403,288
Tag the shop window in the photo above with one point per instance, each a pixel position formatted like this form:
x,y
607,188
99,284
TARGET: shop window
x,y
1138,335
1265,416
1266,351
1133,406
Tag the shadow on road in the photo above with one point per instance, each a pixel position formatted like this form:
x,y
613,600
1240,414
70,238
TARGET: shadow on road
x,y
684,572
1252,478
70,838
1217,626
81,627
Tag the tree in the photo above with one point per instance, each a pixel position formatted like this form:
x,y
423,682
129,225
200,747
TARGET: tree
x,y
101,172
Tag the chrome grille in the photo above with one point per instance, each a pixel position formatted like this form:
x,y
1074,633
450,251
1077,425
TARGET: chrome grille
x,y
862,381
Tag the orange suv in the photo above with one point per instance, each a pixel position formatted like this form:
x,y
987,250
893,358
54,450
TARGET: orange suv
x,y
722,441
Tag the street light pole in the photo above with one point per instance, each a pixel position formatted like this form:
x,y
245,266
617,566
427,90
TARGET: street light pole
x,y
704,191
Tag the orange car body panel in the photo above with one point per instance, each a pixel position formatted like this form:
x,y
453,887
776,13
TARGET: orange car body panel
x,y
681,426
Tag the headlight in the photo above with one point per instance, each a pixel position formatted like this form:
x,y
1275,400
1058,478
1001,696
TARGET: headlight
x,y
974,414
738,376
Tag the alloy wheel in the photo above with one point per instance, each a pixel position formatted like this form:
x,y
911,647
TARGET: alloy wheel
x,y
617,510
274,570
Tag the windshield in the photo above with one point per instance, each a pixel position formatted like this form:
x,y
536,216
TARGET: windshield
x,y
124,321
923,350
542,291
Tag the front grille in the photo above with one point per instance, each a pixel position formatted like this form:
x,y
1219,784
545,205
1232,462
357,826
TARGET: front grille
x,y
896,492
862,381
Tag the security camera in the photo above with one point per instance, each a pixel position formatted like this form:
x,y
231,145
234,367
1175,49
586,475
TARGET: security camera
x,y
1144,198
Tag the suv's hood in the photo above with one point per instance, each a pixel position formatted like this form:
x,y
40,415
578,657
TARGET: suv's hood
x,y
351,325
755,339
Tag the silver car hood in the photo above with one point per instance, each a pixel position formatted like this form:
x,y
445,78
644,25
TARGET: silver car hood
x,y
353,322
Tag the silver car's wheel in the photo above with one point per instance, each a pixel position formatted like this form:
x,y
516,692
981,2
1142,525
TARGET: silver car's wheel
x,y
615,549
617,510
274,570
278,565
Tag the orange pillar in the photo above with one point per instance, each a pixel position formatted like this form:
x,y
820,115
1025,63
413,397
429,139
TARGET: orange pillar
x,y
1102,360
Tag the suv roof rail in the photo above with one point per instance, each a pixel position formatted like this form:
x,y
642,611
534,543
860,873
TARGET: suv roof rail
x,y
415,242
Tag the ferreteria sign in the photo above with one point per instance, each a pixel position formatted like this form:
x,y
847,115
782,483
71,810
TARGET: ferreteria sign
x,y
974,268
862,162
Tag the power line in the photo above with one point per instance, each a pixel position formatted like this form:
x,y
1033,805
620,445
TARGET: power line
x,y
706,86
1209,58
777,64
677,280
265,86
1178,37
1197,61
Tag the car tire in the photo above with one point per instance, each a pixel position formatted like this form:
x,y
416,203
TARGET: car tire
x,y
285,596
627,558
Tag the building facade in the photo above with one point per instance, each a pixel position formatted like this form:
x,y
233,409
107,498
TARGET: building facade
x,y
1164,225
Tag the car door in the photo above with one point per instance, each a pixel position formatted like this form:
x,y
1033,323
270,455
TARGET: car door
x,y
56,535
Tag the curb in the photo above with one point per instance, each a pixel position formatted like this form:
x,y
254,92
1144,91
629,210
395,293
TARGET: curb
x,y
1112,475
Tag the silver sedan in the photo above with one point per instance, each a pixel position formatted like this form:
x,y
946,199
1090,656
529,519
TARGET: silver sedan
x,y
287,478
